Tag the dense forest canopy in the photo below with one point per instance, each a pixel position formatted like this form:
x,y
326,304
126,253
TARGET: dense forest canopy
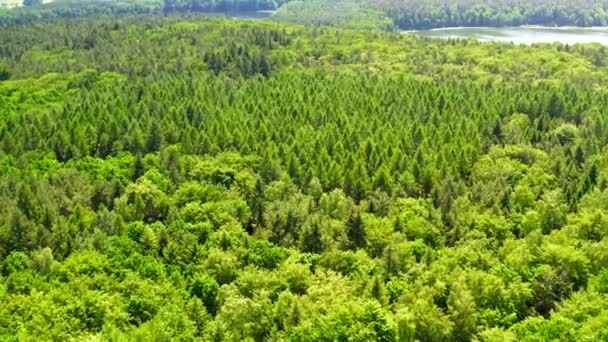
x,y
179,177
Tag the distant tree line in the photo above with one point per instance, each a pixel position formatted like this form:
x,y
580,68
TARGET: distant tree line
x,y
36,11
366,14
412,14
221,5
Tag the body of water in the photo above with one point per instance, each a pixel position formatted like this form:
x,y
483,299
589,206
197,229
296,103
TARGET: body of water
x,y
523,35
251,15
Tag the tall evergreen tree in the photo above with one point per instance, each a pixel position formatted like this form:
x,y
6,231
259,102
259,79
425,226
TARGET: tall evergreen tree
x,y
312,242
355,230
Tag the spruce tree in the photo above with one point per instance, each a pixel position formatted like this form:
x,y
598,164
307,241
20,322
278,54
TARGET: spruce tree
x,y
355,230
312,242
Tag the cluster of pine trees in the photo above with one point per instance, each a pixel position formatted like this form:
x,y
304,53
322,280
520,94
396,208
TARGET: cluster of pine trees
x,y
181,177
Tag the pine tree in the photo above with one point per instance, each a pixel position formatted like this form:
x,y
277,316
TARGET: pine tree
x,y
257,204
556,106
155,138
277,231
294,169
377,290
138,168
383,181
312,242
355,230
579,155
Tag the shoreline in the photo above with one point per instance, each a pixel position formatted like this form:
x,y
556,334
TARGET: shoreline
x,y
535,27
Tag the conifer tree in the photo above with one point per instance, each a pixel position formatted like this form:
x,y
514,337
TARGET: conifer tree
x,y
312,242
355,230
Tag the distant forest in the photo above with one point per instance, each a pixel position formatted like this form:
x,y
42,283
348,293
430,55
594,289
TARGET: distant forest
x,y
366,14
221,5
415,14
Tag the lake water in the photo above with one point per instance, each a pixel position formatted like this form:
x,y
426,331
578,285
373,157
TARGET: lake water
x,y
523,35
250,15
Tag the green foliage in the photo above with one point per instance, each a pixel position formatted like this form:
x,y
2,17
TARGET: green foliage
x,y
35,10
207,289
221,5
265,254
4,73
193,178
356,14
355,230
412,14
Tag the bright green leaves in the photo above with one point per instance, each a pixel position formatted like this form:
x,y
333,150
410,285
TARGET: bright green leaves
x,y
205,288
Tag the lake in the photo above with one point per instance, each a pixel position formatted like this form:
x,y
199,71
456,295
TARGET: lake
x,y
523,35
251,15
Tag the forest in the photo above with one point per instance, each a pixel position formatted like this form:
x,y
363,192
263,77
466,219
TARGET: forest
x,y
36,11
359,14
193,178
414,14
428,14
351,14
